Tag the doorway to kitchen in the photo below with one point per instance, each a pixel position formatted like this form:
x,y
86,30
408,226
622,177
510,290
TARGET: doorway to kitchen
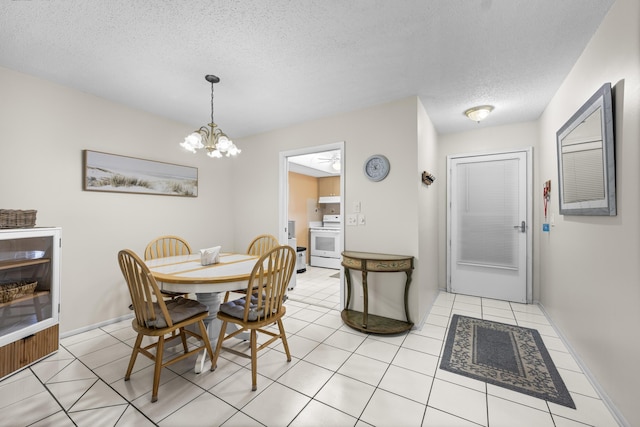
x,y
311,200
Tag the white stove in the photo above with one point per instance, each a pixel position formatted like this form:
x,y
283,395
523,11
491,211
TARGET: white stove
x,y
325,242
328,222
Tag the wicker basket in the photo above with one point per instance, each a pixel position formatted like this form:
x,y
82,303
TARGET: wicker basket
x,y
11,291
10,218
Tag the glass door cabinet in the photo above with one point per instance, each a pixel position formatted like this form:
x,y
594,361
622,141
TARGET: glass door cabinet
x,y
29,296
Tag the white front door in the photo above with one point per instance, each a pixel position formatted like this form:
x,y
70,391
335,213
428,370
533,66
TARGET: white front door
x,y
488,225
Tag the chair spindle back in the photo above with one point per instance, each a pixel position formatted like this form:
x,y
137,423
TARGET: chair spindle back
x,y
165,246
144,291
269,280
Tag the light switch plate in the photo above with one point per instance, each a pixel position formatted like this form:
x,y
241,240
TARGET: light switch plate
x,y
361,219
356,207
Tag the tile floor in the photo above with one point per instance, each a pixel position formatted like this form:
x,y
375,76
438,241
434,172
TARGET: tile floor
x,y
338,377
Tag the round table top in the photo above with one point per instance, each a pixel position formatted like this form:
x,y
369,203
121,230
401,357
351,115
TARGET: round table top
x,y
185,273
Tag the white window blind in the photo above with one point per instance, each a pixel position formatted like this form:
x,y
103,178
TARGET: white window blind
x,y
488,211
583,175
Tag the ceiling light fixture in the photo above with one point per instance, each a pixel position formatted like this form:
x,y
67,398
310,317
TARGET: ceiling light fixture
x,y
336,164
211,137
478,113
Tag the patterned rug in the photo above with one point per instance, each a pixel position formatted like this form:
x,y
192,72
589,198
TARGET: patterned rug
x,y
504,355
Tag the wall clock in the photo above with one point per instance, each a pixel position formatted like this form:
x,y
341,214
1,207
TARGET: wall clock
x,y
376,167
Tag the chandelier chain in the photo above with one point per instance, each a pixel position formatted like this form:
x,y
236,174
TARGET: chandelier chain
x,y
212,103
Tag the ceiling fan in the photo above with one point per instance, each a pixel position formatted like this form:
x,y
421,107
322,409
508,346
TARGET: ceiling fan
x,y
334,160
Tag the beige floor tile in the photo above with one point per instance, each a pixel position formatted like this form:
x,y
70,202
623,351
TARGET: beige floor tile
x,y
338,376
405,412
284,405
205,409
406,383
460,401
363,369
305,378
317,414
505,413
345,394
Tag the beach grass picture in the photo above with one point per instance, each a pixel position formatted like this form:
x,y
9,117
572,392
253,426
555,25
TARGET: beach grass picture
x,y
122,174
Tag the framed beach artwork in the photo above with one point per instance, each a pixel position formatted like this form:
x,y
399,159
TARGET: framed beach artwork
x,y
122,174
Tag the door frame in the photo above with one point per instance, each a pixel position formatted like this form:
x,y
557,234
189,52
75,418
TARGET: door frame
x,y
284,195
529,211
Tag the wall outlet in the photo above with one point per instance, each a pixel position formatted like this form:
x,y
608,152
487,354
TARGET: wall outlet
x,y
361,219
352,219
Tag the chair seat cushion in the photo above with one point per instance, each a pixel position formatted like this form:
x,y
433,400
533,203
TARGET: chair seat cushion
x,y
179,309
171,293
236,307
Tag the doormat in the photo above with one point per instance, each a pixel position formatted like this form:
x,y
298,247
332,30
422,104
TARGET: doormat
x,y
504,355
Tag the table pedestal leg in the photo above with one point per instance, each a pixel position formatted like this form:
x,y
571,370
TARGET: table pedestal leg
x,y
211,300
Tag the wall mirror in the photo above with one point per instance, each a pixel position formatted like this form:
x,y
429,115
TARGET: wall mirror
x,y
586,161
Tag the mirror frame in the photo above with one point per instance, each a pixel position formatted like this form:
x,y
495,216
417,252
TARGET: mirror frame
x,y
606,205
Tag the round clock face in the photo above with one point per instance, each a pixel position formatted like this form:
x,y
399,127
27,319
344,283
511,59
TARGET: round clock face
x,y
376,168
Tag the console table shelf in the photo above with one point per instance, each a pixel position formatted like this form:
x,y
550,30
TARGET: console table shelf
x,y
379,263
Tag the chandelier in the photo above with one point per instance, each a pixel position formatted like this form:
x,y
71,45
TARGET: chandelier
x,y
211,137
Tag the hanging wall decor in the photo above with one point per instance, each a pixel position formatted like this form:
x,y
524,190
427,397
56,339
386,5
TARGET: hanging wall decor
x,y
586,161
122,174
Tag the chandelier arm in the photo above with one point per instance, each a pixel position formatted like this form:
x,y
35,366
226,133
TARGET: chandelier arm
x,y
204,131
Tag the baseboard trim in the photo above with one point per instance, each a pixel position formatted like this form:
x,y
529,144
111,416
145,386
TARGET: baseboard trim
x,y
95,325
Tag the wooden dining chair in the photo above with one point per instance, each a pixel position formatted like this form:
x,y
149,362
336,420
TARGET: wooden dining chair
x,y
165,246
155,317
259,246
266,291
262,244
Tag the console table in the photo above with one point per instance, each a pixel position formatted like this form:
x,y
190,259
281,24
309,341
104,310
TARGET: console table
x,y
379,263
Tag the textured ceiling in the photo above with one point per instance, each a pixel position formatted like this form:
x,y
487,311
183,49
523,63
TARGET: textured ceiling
x,y
283,62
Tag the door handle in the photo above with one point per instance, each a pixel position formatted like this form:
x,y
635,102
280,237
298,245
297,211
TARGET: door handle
x,y
522,227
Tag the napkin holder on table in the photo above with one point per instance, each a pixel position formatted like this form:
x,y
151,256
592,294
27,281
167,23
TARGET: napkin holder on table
x,y
210,255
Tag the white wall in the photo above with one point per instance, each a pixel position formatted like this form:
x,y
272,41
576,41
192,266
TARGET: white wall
x,y
44,129
429,231
590,274
391,206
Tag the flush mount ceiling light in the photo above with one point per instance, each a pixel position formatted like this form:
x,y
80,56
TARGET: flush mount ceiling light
x,y
478,113
211,137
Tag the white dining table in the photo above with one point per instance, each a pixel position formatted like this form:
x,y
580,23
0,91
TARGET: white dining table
x,y
185,273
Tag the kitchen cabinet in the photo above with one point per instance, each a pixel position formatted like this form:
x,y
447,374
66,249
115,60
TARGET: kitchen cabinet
x,y
29,296
329,186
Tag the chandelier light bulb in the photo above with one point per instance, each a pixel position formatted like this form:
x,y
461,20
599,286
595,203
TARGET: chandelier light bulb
x,y
215,154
